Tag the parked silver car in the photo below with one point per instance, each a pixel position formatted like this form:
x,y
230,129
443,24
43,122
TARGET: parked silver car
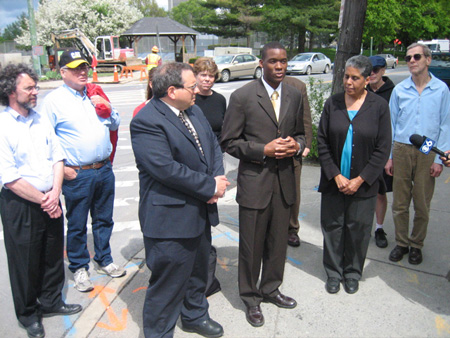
x,y
237,65
307,63
391,61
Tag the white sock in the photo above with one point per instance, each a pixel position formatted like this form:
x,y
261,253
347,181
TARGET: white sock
x,y
379,226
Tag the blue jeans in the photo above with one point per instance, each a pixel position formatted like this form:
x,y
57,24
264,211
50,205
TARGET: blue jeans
x,y
92,190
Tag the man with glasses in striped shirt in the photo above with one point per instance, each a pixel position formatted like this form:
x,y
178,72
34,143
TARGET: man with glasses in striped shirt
x,y
420,105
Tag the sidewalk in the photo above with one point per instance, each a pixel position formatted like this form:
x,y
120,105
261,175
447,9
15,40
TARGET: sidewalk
x,y
395,299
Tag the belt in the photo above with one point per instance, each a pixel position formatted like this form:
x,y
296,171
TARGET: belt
x,y
95,165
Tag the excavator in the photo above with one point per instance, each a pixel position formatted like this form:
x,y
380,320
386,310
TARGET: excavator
x,y
104,54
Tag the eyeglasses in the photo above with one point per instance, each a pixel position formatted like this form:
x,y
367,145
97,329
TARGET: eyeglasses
x,y
416,57
375,70
191,88
29,90
79,69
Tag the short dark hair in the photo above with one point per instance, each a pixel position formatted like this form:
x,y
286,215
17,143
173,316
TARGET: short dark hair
x,y
168,75
360,62
8,80
271,45
150,79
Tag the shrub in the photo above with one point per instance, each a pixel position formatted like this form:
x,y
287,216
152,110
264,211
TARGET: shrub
x,y
318,92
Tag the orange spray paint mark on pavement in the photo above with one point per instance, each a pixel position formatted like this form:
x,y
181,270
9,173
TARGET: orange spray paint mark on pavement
x,y
116,323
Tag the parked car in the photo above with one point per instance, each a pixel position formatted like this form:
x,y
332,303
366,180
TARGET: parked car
x,y
233,66
391,61
440,66
307,63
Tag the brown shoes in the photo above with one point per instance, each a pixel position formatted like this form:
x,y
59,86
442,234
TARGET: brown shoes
x,y
281,300
254,316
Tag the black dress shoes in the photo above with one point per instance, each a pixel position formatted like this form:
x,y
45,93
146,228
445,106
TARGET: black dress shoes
x,y
281,300
380,238
293,240
397,253
35,330
333,285
351,285
254,316
66,309
415,256
207,328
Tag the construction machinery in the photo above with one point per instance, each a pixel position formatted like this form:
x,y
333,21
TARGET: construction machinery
x,y
104,54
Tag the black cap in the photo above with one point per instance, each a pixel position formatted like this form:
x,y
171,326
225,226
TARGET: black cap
x,y
71,58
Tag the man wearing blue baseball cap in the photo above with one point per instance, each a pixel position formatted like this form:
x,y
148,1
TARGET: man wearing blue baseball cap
x,y
382,86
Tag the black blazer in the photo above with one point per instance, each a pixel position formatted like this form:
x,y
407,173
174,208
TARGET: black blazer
x,y
371,142
175,179
250,123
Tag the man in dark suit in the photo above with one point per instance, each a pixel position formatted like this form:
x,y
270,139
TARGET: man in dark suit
x,y
264,136
181,178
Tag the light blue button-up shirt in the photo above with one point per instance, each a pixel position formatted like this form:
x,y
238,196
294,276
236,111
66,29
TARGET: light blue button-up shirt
x,y
28,149
83,134
426,114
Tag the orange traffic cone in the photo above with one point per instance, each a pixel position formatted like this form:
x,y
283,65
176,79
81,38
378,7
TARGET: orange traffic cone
x,y
94,75
116,75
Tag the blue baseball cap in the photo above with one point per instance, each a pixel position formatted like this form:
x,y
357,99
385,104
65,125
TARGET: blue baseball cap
x,y
377,61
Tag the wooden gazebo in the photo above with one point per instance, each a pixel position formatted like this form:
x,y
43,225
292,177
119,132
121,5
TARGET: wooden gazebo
x,y
163,27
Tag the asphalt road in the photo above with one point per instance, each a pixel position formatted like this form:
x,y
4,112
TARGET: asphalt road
x,y
394,300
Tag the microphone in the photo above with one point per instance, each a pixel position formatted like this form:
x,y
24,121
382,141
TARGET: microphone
x,y
425,145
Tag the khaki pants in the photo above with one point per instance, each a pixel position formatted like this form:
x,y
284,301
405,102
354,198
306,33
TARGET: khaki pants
x,y
411,180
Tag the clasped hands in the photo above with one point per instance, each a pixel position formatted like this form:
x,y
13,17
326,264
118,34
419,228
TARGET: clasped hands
x,y
50,204
346,186
281,148
221,186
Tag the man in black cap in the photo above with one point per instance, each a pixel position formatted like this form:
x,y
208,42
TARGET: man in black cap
x,y
89,181
383,86
31,171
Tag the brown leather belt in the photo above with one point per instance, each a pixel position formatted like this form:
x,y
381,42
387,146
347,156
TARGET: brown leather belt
x,y
95,165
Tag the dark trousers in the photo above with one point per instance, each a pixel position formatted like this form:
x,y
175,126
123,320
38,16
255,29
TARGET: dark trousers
x,y
34,245
262,239
346,223
178,283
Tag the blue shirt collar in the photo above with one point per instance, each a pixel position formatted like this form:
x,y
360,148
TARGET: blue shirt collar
x,y
75,92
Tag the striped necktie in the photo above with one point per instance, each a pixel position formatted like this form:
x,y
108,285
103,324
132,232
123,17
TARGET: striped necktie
x,y
191,131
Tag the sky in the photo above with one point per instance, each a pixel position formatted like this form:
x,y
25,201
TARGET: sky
x,y
11,9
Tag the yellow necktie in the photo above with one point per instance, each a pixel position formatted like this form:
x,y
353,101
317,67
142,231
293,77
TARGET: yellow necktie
x,y
274,98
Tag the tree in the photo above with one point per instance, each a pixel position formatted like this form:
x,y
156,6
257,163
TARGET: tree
x,y
149,8
94,18
231,18
192,14
298,18
13,30
383,19
350,38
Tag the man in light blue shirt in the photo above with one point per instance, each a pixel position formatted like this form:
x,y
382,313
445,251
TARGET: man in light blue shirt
x,y
419,105
88,177
31,174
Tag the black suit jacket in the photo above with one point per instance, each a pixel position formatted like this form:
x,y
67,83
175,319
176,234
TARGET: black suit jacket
x,y
250,123
175,179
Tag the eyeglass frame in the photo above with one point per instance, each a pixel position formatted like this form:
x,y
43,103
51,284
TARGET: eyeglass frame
x,y
30,89
416,57
83,67
190,89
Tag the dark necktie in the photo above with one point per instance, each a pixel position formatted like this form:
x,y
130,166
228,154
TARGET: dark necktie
x,y
191,131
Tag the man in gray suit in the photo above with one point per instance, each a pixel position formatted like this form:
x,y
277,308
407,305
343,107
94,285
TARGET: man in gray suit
x,y
263,128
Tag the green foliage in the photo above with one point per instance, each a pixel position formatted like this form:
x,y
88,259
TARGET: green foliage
x,y
191,13
53,75
192,60
149,8
318,92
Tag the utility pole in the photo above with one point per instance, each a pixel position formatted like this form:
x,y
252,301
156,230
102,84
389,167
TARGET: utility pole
x,y
350,39
33,36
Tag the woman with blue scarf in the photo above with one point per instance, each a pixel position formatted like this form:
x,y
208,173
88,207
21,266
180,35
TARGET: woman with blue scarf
x,y
354,141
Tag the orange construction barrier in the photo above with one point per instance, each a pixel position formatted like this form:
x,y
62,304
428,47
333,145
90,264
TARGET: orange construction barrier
x,y
116,75
94,75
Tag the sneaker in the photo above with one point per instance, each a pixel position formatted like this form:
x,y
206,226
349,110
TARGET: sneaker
x,y
111,270
380,238
82,281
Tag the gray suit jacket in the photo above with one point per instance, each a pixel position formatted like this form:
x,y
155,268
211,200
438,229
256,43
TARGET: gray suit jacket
x,y
250,123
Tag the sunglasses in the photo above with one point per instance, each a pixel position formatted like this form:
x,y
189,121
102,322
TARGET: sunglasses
x,y
416,57
375,70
